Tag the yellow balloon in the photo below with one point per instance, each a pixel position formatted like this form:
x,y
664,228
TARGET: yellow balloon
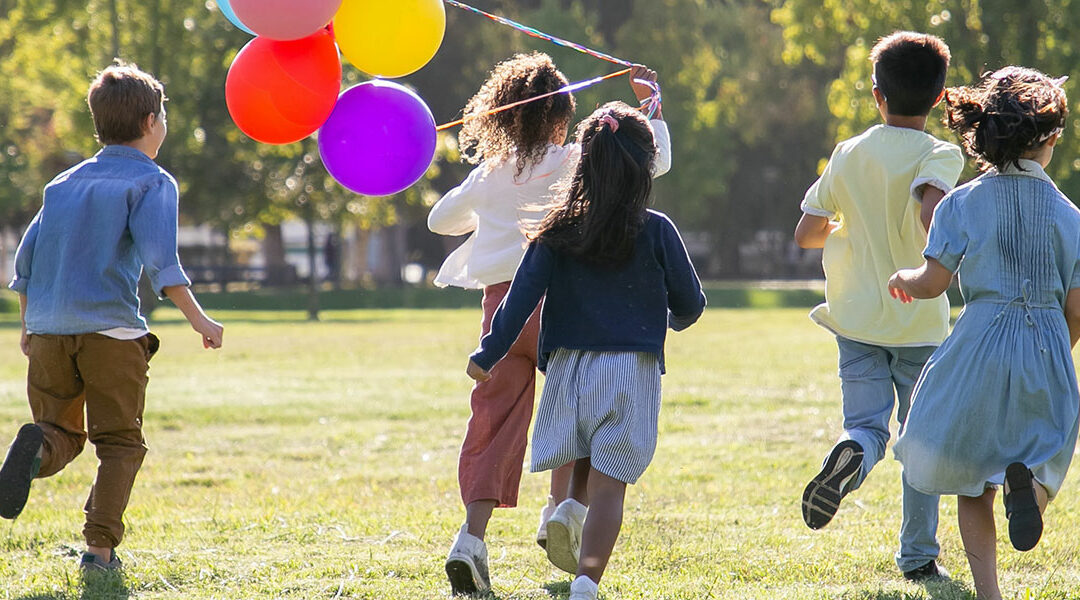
x,y
390,38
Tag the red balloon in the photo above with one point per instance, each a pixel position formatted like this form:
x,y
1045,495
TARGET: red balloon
x,y
281,92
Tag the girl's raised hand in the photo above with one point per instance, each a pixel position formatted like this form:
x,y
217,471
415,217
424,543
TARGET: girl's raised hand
x,y
478,375
641,72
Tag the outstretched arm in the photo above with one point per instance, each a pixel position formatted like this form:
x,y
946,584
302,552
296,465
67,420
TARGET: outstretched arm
x,y
928,281
210,330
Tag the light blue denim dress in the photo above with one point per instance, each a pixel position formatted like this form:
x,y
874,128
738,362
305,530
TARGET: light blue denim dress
x,y
1002,387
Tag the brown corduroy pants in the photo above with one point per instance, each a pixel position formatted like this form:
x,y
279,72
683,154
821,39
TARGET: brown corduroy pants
x,y
106,378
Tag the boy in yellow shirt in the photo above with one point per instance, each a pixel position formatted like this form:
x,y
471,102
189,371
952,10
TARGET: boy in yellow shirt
x,y
870,211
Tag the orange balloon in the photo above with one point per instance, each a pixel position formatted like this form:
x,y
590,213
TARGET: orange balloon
x,y
280,92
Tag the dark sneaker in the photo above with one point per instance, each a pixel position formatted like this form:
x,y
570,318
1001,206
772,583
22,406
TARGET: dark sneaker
x,y
21,465
1022,507
92,563
821,499
928,572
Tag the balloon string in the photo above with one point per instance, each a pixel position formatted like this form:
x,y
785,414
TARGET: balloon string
x,y
541,35
573,87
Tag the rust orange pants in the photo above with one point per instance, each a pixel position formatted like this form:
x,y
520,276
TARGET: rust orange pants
x,y
489,467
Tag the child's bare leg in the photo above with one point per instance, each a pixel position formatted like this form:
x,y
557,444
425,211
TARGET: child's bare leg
x,y
1041,496
560,483
602,525
579,480
977,529
477,515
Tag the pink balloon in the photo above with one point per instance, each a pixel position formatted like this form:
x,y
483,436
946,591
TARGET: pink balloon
x,y
285,19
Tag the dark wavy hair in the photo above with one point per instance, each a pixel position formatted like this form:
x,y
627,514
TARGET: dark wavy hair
x,y
601,208
1009,113
909,69
523,132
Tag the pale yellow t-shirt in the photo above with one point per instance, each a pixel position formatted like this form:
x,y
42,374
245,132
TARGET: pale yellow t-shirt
x,y
872,186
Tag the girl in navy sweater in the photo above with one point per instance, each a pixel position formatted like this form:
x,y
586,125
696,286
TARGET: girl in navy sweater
x,y
616,275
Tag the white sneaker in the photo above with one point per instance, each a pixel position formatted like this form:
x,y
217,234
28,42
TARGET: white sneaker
x,y
583,588
545,514
564,534
467,564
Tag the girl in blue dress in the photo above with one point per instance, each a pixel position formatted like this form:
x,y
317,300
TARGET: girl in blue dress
x,y
997,403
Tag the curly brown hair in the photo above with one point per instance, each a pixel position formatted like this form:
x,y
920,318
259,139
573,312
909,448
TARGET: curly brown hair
x,y
1011,112
523,132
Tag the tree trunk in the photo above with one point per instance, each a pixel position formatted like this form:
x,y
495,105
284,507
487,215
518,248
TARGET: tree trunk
x,y
277,268
312,251
115,12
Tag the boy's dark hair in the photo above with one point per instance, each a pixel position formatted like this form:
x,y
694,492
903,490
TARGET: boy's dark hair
x,y
909,70
1012,111
601,207
120,97
523,132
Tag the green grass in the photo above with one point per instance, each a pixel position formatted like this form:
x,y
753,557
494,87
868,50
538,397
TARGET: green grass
x,y
317,461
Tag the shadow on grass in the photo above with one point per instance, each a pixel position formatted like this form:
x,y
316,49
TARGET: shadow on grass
x,y
559,590
95,586
935,590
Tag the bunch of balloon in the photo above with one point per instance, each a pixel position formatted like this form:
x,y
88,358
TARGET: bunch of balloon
x,y
376,138
381,137
282,85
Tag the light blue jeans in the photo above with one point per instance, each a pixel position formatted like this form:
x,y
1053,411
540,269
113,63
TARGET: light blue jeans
x,y
873,379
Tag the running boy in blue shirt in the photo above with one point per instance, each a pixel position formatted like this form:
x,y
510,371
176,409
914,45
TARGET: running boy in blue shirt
x,y
101,224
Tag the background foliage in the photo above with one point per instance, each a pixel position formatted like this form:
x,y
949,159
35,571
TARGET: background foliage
x,y
756,93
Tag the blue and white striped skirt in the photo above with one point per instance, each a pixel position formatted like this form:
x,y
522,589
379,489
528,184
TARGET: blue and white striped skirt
x,y
601,405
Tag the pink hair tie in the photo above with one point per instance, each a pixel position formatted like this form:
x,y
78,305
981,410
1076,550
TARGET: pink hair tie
x,y
611,121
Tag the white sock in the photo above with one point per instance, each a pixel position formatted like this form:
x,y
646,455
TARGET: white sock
x,y
585,585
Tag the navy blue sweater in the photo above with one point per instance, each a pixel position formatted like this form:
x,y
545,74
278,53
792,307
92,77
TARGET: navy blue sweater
x,y
627,308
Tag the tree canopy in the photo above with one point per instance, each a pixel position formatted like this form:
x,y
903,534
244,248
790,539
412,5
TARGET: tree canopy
x,y
756,94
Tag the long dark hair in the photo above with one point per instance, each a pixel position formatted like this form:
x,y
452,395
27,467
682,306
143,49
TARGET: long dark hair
x,y
1012,111
601,207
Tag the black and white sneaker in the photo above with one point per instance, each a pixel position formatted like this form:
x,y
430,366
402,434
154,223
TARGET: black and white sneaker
x,y
821,499
21,465
930,571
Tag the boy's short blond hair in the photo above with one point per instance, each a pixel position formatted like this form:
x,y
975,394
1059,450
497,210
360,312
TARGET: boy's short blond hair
x,y
120,97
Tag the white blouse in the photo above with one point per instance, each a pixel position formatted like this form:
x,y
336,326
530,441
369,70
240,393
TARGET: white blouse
x,y
494,205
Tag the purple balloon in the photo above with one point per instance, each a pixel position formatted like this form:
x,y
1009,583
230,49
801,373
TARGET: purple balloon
x,y
379,140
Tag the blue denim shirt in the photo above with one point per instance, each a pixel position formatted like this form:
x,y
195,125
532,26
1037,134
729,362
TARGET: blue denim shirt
x,y
101,223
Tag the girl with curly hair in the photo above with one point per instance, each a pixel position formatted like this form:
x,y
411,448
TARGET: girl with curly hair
x,y
997,403
615,275
520,154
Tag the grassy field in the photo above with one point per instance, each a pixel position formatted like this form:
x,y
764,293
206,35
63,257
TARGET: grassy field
x,y
317,461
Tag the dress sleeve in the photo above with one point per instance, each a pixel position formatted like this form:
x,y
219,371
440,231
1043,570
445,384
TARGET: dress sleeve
x,y
940,169
24,256
1075,283
947,239
663,147
455,212
818,200
527,288
686,301
153,222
